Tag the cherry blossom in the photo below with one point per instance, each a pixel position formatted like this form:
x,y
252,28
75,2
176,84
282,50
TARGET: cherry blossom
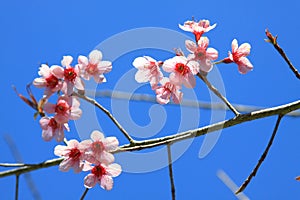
x,y
94,66
52,129
182,71
97,150
197,28
66,108
168,90
148,70
72,154
71,76
201,53
238,55
102,174
50,78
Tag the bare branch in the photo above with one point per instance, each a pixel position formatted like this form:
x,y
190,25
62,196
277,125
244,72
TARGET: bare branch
x,y
171,172
114,120
273,40
262,158
216,91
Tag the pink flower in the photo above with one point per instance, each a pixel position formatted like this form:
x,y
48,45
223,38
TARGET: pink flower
x,y
97,150
197,28
182,71
50,78
53,129
238,55
102,174
66,108
148,70
201,53
168,90
71,76
72,154
93,66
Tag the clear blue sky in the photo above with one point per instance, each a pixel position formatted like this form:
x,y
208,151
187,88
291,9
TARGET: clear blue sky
x,y
35,32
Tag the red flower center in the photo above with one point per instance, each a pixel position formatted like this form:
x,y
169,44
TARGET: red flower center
x,y
98,171
61,107
74,154
52,123
91,68
182,68
52,81
98,146
70,74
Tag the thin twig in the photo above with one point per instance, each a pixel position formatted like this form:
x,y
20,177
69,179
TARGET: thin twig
x,y
171,172
14,164
140,145
262,158
273,40
113,119
84,193
216,91
17,187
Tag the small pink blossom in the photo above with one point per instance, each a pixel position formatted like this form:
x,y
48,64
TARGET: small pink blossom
x,y
52,129
97,150
66,108
197,28
50,78
182,71
148,70
72,154
102,174
168,90
71,76
94,66
238,55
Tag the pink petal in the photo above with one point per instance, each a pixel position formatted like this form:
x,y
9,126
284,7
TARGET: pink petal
x,y
44,121
244,65
140,62
49,107
191,46
189,81
95,56
194,67
176,78
83,62
90,181
97,136
244,49
66,61
211,54
57,71
60,150
104,66
39,82
169,65
185,28
203,43
110,143
72,143
142,76
107,182
99,78
79,83
44,70
65,165
114,170
206,65
47,134
177,97
59,134
234,46
75,114
106,158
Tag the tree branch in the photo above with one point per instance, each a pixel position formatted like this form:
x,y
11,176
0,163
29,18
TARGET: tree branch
x,y
273,41
139,145
262,158
171,172
216,91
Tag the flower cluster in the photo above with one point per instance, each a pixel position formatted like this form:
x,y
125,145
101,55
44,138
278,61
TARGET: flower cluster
x,y
63,80
91,155
183,68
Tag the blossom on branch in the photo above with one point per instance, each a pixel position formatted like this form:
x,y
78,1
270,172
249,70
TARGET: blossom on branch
x,y
197,28
71,76
50,78
238,56
201,53
94,66
148,70
52,129
102,174
168,90
73,155
182,71
97,150
65,109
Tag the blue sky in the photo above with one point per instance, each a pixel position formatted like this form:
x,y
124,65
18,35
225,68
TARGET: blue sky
x,y
35,32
